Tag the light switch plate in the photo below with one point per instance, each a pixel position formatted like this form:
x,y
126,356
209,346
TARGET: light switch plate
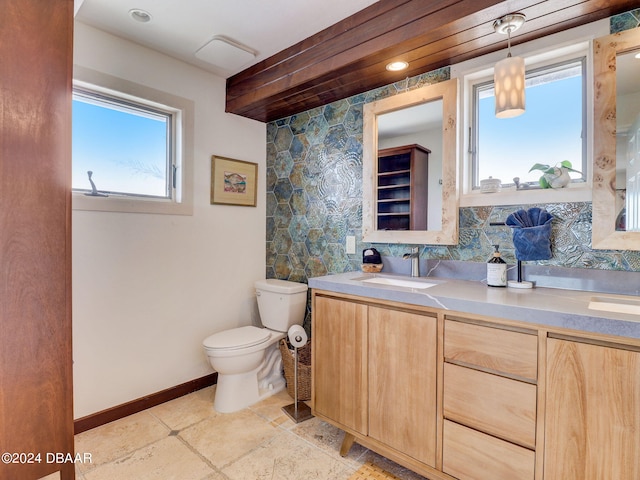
x,y
351,244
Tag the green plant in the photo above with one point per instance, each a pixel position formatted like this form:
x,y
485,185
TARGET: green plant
x,y
549,171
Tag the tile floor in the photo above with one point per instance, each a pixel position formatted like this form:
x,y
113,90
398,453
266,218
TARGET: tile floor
x,y
187,439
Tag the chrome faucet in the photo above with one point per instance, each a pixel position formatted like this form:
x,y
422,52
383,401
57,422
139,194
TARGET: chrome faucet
x,y
415,261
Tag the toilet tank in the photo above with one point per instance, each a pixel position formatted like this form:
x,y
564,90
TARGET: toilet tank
x,y
281,303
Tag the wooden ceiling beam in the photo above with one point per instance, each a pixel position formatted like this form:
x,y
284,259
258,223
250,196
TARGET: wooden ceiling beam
x,y
349,57
350,41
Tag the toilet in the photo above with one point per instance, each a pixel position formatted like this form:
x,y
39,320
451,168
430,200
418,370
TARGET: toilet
x,y
248,359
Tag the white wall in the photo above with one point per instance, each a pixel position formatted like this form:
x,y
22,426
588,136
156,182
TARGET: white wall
x,y
147,289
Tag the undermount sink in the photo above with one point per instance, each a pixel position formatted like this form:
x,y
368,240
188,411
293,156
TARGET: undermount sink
x,y
396,282
616,305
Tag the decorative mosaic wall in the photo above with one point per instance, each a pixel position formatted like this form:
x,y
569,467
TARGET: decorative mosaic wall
x,y
314,197
625,21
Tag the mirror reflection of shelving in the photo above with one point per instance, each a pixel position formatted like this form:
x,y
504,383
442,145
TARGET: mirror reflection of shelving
x,y
402,178
632,173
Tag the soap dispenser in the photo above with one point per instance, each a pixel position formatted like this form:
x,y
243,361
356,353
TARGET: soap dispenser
x,y
496,270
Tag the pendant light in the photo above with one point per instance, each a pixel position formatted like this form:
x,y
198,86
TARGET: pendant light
x,y
508,78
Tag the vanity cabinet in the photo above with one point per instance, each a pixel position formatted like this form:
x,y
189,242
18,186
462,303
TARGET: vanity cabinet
x,y
339,379
402,381
402,188
374,375
489,401
459,396
592,426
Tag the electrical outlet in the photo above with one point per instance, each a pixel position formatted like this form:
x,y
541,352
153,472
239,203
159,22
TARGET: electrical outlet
x,y
351,244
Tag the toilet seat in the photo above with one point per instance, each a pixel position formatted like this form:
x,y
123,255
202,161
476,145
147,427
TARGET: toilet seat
x,y
237,338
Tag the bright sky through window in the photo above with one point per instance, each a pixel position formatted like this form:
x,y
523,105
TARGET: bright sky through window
x,y
550,130
126,147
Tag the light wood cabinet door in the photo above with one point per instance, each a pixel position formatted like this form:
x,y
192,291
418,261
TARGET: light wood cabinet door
x,y
339,361
592,429
402,381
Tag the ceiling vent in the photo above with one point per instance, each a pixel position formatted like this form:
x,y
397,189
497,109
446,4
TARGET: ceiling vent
x,y
225,53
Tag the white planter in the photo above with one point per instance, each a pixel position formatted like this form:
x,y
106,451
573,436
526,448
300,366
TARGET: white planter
x,y
559,178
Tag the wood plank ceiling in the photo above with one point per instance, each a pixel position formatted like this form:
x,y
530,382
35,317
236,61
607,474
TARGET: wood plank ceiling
x,y
350,57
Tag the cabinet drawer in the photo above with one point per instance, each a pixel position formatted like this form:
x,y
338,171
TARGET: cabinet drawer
x,y
501,351
497,405
471,455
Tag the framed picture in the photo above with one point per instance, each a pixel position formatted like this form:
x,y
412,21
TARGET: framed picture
x,y
233,182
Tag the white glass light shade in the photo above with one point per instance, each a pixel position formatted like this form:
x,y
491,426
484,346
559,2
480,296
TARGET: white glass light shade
x,y
509,87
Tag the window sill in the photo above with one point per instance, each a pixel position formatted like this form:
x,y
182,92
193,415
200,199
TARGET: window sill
x,y
80,201
511,196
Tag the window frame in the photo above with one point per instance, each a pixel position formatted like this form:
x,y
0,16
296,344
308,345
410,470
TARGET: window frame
x,y
181,145
538,70
132,107
550,49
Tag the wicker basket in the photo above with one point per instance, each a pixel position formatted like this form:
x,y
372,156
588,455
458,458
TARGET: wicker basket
x,y
304,370
372,267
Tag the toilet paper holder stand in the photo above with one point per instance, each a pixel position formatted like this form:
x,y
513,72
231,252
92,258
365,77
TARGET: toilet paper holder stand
x,y
297,411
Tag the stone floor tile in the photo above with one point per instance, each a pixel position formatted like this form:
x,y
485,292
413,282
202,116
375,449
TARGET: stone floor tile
x,y
287,457
329,439
116,439
167,459
187,410
227,437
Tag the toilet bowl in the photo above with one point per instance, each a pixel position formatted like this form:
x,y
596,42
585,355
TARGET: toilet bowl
x,y
247,359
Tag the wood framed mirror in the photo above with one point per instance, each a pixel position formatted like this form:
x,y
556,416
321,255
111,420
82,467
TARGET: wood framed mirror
x,y
410,192
616,166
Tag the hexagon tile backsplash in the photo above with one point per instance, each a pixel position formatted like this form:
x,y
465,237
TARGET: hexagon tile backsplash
x,y
314,198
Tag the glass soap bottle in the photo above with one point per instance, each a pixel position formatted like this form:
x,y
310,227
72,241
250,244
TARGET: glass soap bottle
x,y
496,270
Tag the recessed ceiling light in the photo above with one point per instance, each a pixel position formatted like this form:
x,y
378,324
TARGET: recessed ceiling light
x,y
140,15
397,66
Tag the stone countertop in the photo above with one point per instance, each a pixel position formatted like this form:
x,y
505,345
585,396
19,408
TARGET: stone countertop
x,y
549,307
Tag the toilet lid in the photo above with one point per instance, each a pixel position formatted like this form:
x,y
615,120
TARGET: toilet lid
x,y
237,338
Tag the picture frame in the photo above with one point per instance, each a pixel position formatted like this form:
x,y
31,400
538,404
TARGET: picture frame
x,y
233,182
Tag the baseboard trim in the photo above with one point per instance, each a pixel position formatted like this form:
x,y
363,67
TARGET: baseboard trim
x,y
134,406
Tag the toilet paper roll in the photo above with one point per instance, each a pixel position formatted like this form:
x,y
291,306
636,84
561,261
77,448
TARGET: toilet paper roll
x,y
297,336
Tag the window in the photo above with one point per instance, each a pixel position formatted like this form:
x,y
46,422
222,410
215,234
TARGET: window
x,y
136,141
127,146
552,129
